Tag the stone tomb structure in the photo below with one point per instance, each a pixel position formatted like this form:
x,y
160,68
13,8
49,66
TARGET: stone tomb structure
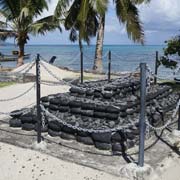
x,y
103,114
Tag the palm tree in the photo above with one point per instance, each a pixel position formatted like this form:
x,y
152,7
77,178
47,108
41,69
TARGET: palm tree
x,y
127,14
17,21
81,18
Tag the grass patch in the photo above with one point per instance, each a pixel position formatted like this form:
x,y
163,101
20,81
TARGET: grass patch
x,y
4,84
88,78
175,86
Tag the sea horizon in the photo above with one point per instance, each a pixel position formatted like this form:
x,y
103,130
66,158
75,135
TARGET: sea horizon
x,y
124,57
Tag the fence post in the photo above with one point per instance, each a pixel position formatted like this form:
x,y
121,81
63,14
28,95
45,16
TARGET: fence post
x,y
109,66
81,67
38,96
156,67
179,116
142,114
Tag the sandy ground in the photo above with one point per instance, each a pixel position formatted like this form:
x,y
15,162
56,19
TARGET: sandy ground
x,y
27,99
60,73
169,168
21,164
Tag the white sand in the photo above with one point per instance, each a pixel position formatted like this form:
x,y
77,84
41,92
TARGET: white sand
x,y
60,73
24,164
27,99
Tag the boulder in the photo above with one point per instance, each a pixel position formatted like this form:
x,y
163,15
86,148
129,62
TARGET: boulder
x,y
15,123
102,137
85,140
103,146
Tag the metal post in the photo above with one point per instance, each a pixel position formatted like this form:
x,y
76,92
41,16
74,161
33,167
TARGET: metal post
x,y
179,117
142,114
81,67
156,67
109,67
38,96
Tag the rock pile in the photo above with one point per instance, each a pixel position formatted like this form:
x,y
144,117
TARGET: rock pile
x,y
102,106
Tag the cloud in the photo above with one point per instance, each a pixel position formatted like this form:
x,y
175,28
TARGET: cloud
x,y
161,20
161,15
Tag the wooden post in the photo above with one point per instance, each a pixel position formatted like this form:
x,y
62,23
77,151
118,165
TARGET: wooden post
x,y
142,125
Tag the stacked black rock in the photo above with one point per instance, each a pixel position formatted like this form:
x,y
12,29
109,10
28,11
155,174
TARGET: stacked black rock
x,y
102,106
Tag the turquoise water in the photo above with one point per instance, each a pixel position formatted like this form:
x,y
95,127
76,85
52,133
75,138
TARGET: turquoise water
x,y
124,57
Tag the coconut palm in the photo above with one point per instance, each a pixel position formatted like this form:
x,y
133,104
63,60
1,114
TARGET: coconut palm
x,y
81,18
17,21
127,14
81,12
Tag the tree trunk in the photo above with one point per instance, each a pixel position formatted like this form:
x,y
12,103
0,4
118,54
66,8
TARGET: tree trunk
x,y
20,61
98,64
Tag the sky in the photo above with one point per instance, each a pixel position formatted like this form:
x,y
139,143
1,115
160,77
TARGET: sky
x,y
160,18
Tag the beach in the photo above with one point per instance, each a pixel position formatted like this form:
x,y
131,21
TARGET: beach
x,y
19,164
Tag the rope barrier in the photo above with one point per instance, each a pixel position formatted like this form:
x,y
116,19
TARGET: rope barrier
x,y
75,58
13,98
167,123
84,129
158,77
60,81
92,59
23,111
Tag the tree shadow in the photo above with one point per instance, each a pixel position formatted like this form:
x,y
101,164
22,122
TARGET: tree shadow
x,y
173,148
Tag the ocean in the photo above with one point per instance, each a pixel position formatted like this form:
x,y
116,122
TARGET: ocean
x,y
124,57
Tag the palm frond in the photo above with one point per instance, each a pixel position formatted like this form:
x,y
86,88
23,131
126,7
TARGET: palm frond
x,y
99,6
25,12
127,13
4,34
83,11
37,6
140,1
3,24
49,23
72,14
82,25
62,7
73,36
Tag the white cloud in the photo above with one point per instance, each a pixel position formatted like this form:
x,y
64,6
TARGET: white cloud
x,y
52,6
161,12
161,19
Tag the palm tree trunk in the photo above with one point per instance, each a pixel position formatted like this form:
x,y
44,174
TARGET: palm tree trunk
x,y
98,64
21,55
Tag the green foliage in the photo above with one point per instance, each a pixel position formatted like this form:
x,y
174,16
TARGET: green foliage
x,y
4,84
172,49
128,14
82,17
168,63
19,18
173,46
